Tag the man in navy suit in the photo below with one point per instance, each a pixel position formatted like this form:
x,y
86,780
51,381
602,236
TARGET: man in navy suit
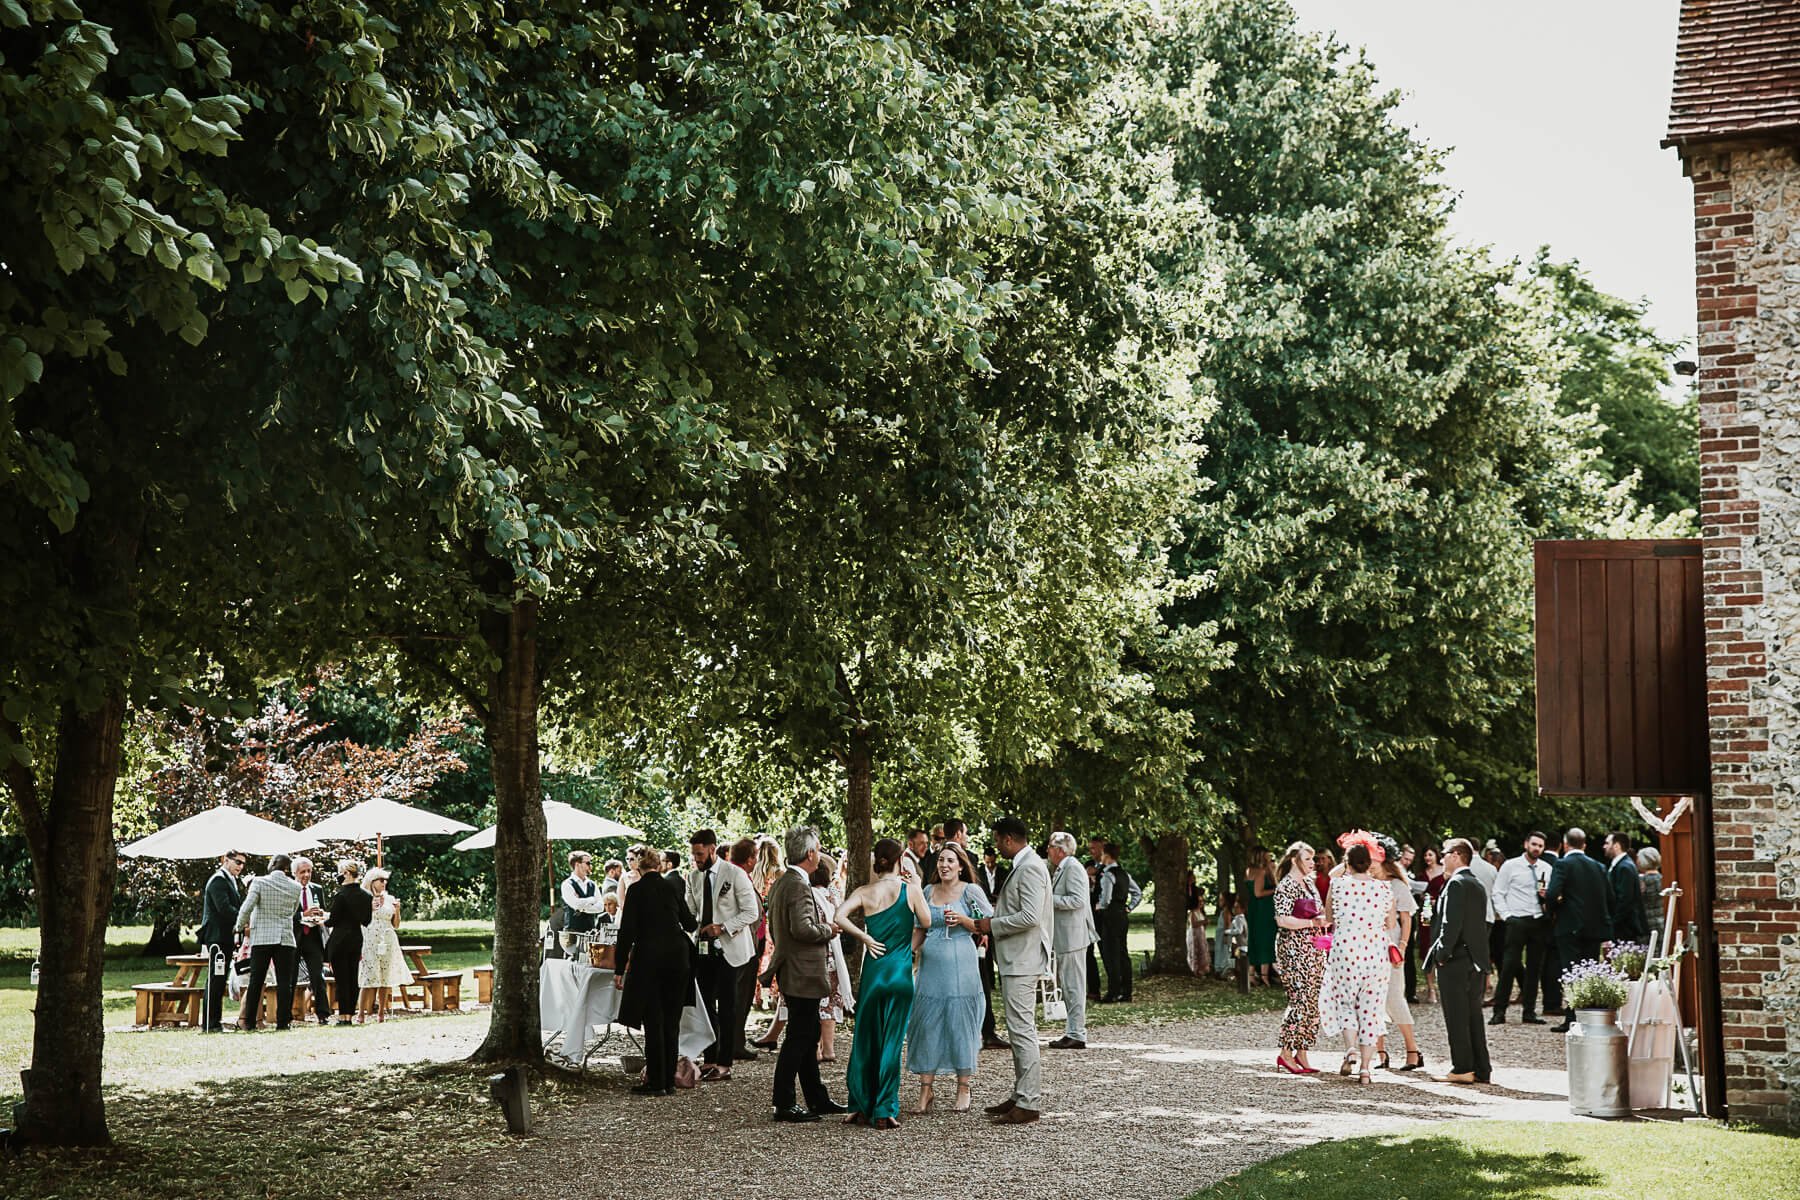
x,y
218,921
1460,955
1577,901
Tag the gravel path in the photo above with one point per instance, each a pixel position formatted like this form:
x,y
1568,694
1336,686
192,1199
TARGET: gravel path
x,y
1156,1112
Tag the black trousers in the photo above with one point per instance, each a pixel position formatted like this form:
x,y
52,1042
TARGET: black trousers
x,y
662,1025
311,951
1527,943
1093,970
799,1056
1569,951
286,968
1460,987
346,965
1116,953
718,982
1410,966
746,1000
215,1001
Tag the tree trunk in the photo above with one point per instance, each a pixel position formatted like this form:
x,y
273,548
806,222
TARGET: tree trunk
x,y
74,863
859,832
859,808
512,740
165,938
1168,854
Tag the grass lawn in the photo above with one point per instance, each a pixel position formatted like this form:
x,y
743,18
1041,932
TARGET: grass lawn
x,y
1594,1160
150,1058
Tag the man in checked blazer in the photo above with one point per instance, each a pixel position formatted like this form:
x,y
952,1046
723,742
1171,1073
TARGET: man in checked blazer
x,y
268,914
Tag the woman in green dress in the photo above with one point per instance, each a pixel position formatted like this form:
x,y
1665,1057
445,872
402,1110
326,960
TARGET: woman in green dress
x,y
891,910
1259,889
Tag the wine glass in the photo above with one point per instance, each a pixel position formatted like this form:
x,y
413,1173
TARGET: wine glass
x,y
567,939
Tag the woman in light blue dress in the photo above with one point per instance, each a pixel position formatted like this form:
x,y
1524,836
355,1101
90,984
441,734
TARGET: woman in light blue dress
x,y
944,1034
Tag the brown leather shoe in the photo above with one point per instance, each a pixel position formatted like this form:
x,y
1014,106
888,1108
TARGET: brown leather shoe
x,y
1018,1116
1457,1077
1002,1108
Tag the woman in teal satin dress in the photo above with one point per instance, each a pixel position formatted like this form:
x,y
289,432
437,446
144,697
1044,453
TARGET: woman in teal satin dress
x,y
891,909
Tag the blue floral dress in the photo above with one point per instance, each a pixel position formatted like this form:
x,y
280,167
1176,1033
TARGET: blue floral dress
x,y
943,1036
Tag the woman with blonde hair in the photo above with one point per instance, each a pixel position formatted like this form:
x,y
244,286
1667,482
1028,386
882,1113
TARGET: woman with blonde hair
x,y
768,868
1301,916
382,967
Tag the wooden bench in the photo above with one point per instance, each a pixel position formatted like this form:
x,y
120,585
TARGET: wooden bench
x,y
302,1007
443,990
484,984
167,1004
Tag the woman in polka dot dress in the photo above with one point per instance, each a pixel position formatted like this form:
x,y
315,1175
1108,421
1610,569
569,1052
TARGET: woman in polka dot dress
x,y
1353,1001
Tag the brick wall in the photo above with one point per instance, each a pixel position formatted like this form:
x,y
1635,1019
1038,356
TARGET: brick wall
x,y
1747,255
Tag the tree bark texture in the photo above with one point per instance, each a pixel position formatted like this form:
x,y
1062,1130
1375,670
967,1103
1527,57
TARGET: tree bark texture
x,y
73,862
859,830
1168,854
512,740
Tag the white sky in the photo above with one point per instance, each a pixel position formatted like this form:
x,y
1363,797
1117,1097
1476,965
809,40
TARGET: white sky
x,y
1552,112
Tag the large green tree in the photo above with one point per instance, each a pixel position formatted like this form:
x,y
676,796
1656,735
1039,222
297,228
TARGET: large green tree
x,y
1385,450
787,207
1610,363
940,583
116,503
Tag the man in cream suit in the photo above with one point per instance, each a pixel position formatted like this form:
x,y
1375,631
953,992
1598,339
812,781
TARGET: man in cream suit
x,y
1021,928
1074,933
724,903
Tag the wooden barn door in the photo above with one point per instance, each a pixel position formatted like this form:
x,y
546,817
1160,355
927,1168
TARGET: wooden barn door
x,y
1621,711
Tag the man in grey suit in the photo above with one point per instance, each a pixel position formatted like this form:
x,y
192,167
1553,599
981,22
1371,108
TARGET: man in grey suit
x,y
268,914
1460,956
801,938
1074,932
1022,933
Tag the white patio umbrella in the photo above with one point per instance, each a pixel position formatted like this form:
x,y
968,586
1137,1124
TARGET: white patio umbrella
x,y
378,819
562,823
218,831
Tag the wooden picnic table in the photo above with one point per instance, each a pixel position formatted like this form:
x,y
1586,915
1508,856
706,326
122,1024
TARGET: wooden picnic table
x,y
187,969
417,953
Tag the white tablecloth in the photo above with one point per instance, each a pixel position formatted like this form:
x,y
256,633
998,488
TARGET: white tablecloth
x,y
573,998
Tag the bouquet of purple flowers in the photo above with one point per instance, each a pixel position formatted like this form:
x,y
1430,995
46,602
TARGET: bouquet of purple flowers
x,y
1628,958
1593,984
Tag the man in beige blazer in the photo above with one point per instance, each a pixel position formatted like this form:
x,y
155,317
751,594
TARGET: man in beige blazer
x,y
1021,928
801,935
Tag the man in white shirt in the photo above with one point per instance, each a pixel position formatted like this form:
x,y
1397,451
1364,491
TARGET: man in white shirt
x,y
581,901
1519,901
724,903
918,845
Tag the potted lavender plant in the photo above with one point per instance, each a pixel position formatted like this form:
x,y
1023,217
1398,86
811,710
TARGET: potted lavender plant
x,y
1628,959
1598,1074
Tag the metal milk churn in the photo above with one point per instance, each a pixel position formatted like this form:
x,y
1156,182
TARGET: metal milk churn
x,y
1598,1068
